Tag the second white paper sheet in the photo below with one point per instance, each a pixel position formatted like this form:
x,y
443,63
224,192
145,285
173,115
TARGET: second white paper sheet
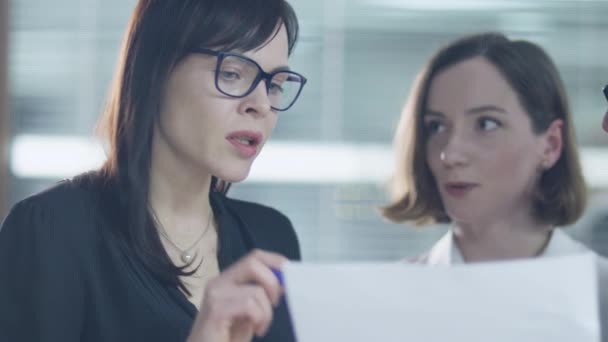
x,y
547,299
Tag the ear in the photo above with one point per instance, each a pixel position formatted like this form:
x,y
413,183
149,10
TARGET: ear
x,y
553,142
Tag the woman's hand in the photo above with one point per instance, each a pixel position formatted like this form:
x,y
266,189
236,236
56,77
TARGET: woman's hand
x,y
238,304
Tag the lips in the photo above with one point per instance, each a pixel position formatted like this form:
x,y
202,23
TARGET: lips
x,y
245,142
459,189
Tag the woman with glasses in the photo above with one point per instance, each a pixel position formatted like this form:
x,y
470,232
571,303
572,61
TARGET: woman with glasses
x,y
486,143
149,247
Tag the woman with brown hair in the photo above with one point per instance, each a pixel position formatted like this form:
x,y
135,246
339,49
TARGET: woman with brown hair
x,y
486,143
134,251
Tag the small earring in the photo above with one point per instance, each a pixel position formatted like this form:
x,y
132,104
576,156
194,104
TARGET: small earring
x,y
545,165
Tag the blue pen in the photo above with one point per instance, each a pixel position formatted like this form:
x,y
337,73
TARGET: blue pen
x,y
279,276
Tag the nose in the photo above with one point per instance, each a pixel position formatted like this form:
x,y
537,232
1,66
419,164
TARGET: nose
x,y
455,152
257,102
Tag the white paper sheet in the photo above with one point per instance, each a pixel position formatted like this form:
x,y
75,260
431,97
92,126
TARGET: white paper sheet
x,y
546,299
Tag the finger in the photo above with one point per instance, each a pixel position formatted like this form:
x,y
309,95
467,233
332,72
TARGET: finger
x,y
256,268
269,259
239,311
259,294
248,306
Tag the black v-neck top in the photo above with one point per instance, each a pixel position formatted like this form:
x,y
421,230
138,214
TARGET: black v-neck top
x,y
64,278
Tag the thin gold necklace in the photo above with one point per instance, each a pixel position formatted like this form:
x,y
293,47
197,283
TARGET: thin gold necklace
x,y
185,255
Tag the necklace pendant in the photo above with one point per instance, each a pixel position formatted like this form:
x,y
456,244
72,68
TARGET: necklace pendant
x,y
187,257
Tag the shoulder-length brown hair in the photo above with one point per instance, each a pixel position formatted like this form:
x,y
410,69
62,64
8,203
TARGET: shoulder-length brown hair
x,y
560,196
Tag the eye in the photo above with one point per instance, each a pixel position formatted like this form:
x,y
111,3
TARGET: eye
x,y
229,75
275,88
277,82
434,126
488,124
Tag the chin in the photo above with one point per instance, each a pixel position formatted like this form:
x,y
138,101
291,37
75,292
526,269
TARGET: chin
x,y
234,175
234,179
462,214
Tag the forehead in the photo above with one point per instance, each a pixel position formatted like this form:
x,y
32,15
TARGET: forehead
x,y
470,83
273,53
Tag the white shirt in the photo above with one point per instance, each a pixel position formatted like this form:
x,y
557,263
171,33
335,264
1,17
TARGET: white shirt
x,y
446,252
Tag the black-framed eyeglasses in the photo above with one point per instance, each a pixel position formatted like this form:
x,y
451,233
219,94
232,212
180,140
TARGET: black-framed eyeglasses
x,y
237,76
606,92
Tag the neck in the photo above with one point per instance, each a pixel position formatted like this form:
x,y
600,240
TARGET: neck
x,y
179,193
513,238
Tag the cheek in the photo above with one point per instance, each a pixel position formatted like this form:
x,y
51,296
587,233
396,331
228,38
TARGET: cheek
x,y
512,163
195,127
183,112
273,121
270,123
433,155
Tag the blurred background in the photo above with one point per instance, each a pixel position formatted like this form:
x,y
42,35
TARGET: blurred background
x,y
330,156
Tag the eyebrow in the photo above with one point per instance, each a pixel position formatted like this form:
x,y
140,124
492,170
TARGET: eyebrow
x,y
474,110
280,68
242,54
486,108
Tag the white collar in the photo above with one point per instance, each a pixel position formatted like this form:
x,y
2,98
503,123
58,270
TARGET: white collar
x,y
446,252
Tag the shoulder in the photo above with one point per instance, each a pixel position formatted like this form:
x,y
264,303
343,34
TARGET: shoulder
x,y
272,229
47,247
76,192
442,252
64,210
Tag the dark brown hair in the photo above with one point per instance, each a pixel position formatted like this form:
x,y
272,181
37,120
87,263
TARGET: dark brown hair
x,y
160,33
560,196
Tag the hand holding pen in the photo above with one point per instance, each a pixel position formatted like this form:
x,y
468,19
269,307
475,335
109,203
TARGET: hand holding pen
x,y
239,303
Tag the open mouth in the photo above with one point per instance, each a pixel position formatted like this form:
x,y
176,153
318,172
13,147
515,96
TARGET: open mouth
x,y
245,142
459,188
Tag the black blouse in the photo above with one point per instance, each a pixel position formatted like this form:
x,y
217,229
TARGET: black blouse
x,y
64,279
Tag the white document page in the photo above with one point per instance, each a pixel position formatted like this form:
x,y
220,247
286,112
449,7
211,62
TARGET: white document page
x,y
536,300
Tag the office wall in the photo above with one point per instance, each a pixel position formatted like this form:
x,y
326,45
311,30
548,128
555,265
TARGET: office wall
x,y
329,157
4,108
